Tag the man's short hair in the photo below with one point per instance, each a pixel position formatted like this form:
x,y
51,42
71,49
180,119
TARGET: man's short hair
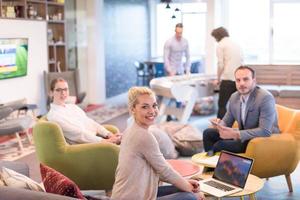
x,y
242,67
179,25
219,33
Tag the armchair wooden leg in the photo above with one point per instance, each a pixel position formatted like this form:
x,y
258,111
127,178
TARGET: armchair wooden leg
x,y
289,182
20,142
252,196
28,136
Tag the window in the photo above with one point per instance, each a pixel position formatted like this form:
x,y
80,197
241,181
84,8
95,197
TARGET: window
x,y
265,30
286,32
248,25
193,17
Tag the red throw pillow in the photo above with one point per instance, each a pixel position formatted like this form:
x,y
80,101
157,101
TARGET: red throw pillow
x,y
55,182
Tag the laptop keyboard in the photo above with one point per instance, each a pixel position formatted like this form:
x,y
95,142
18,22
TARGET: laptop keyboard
x,y
218,185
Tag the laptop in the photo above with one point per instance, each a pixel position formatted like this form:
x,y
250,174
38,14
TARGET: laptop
x,y
230,175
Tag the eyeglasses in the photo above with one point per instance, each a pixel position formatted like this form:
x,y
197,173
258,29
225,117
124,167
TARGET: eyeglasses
x,y
61,89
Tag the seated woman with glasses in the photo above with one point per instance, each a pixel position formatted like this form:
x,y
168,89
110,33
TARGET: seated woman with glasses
x,y
139,146
76,125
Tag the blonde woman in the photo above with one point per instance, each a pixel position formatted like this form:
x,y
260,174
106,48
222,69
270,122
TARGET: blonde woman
x,y
141,164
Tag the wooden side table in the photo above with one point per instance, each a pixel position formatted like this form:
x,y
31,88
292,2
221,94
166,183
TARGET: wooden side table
x,y
200,159
253,185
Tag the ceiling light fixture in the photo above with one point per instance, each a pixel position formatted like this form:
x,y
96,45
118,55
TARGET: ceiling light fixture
x,y
168,6
177,9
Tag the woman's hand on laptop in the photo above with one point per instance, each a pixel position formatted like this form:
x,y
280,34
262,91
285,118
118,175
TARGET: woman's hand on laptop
x,y
195,185
196,189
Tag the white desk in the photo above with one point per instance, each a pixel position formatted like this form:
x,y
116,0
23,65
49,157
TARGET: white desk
x,y
183,88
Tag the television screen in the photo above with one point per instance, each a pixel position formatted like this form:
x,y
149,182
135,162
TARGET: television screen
x,y
13,57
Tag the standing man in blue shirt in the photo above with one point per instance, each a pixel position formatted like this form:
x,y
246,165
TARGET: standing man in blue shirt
x,y
175,48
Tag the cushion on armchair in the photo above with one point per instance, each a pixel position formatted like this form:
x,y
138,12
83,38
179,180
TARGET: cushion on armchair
x,y
17,180
55,182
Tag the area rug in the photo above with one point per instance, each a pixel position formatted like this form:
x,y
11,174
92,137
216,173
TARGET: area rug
x,y
104,113
9,149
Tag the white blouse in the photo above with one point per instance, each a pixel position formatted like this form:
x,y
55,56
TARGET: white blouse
x,y
76,125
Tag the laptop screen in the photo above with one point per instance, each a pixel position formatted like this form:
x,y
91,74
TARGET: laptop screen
x,y
233,169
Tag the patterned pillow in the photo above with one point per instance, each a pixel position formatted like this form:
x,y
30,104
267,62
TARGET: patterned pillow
x,y
14,179
55,182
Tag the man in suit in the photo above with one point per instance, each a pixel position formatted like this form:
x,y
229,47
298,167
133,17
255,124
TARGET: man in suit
x,y
254,110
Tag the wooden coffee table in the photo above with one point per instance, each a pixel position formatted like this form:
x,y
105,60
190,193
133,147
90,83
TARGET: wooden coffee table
x,y
200,158
253,185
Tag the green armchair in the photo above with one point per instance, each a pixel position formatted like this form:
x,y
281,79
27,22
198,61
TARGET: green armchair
x,y
90,166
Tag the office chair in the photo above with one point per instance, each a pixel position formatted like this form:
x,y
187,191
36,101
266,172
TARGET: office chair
x,y
143,73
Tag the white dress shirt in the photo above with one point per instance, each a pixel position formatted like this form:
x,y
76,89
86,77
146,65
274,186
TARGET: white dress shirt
x,y
76,125
174,51
244,100
229,58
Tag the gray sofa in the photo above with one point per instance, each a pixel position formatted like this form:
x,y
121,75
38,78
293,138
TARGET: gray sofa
x,y
9,193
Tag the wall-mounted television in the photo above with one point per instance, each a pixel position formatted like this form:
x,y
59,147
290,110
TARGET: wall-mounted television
x,y
13,57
